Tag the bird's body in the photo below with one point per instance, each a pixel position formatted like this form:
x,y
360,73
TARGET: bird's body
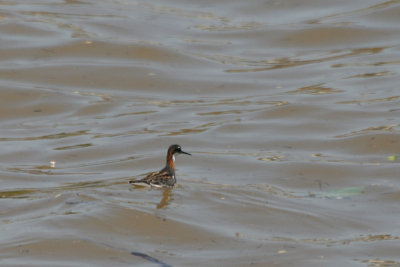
x,y
164,177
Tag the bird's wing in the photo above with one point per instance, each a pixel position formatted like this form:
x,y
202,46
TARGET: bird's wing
x,y
156,179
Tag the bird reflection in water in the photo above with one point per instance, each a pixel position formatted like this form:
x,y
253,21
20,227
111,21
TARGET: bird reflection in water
x,y
168,196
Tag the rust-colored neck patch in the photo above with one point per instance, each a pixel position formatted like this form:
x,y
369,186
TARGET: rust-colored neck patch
x,y
171,159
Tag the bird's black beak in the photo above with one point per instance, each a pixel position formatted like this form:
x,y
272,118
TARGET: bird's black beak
x,y
183,152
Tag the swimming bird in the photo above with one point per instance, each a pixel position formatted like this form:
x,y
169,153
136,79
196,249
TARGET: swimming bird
x,y
166,176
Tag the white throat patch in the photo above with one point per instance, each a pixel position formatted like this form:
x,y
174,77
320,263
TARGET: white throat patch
x,y
173,158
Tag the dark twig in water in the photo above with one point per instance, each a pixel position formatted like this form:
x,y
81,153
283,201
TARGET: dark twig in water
x,y
150,258
138,254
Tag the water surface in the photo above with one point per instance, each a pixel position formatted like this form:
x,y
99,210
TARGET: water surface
x,y
290,110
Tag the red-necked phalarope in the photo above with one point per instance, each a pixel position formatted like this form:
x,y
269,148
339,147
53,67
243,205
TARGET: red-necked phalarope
x,y
165,177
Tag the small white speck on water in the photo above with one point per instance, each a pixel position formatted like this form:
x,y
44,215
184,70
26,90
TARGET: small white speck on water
x,y
52,164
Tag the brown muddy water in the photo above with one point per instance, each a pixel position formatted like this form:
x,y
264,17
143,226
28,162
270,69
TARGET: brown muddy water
x,y
289,108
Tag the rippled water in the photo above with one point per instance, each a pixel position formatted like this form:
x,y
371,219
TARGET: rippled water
x,y
290,110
